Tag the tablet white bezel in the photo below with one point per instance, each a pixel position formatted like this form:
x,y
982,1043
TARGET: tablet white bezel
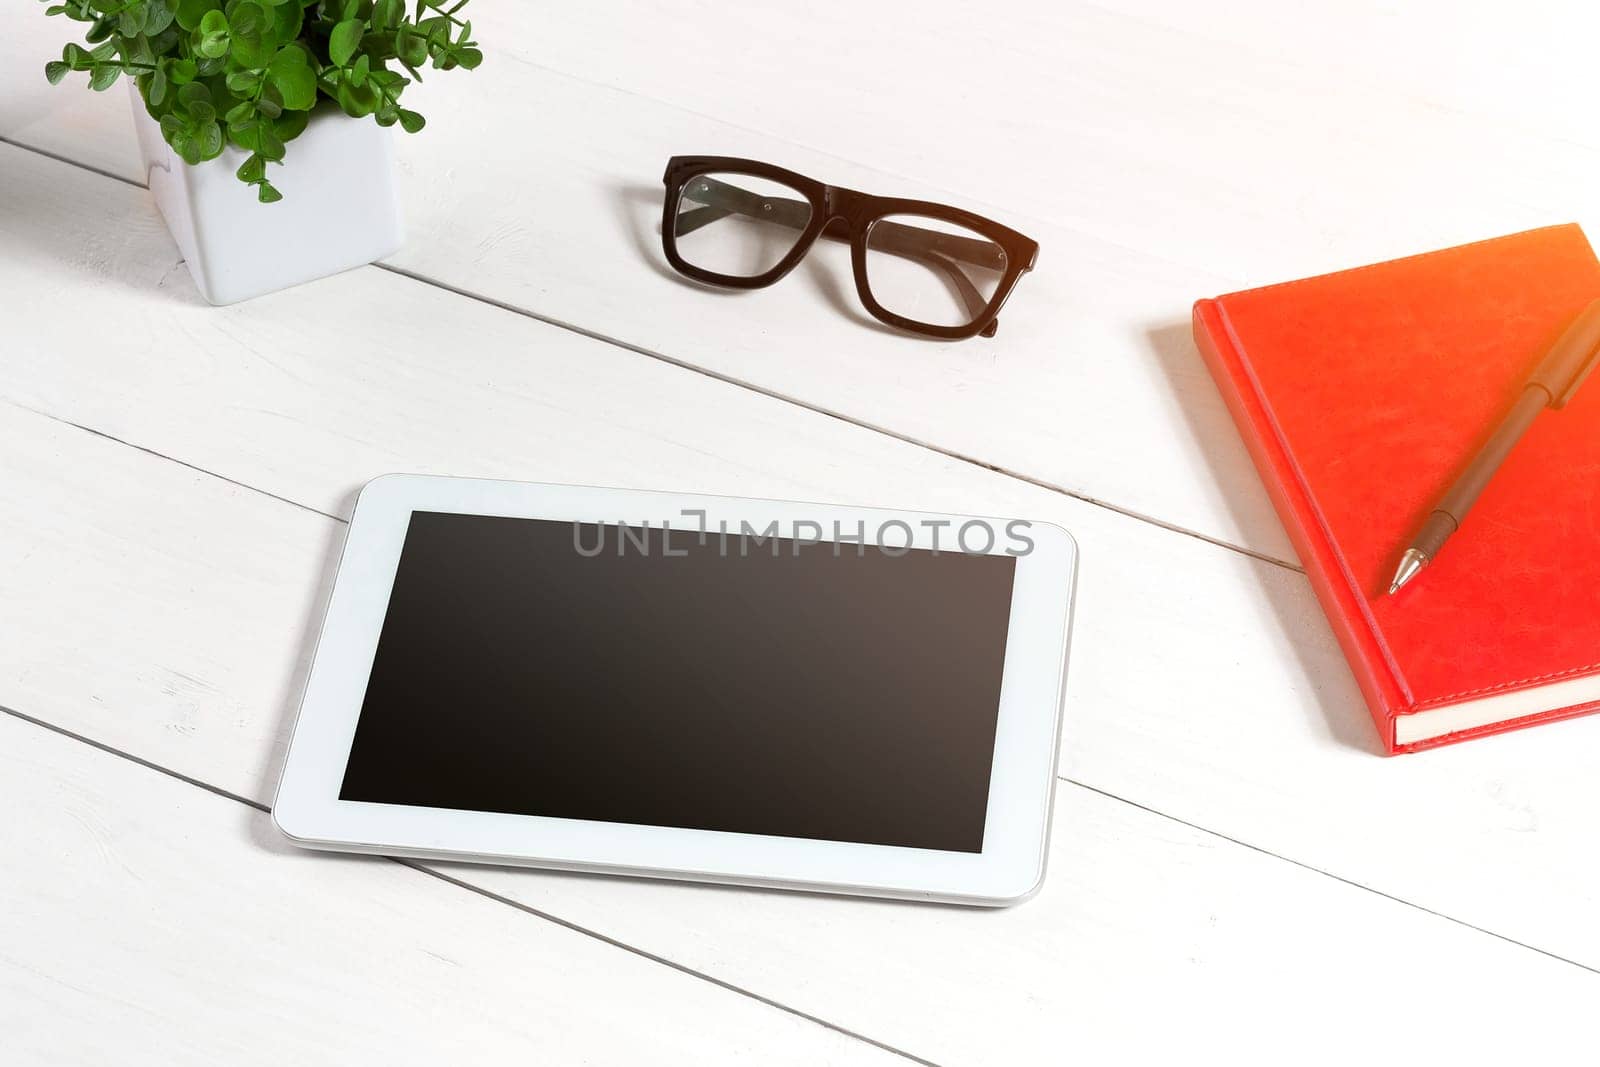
x,y
1009,868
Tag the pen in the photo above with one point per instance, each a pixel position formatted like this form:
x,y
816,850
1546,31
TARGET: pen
x,y
1552,385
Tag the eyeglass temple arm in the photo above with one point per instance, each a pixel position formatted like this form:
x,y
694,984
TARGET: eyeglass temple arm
x,y
931,248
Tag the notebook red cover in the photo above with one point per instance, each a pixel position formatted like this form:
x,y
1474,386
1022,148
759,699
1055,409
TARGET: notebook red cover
x,y
1361,395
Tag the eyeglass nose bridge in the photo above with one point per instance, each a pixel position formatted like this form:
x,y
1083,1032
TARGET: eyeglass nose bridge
x,y
838,227
846,213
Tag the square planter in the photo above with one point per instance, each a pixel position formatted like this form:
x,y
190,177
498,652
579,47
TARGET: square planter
x,y
340,207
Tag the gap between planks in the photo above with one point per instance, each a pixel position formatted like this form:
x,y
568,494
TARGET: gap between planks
x,y
429,872
727,379
761,390
416,865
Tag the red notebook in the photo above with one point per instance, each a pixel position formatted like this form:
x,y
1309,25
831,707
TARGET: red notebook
x,y
1361,395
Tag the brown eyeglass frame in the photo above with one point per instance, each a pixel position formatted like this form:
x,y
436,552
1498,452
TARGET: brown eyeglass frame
x,y
848,215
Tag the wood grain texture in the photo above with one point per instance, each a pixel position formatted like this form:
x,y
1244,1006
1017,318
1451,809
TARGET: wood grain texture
x,y
1254,140
1204,684
1219,699
145,921
1158,155
187,654
1159,152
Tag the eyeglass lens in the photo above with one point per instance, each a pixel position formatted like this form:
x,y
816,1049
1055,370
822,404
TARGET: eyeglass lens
x,y
932,271
738,225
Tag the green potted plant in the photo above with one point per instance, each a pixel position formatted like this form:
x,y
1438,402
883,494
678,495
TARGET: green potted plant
x,y
264,124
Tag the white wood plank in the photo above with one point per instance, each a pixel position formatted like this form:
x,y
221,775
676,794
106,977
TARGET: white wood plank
x,y
1160,153
1251,725
190,597
1254,139
146,921
1205,684
1475,58
1154,166
200,598
91,128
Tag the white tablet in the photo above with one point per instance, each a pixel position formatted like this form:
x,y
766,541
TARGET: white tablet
x,y
760,692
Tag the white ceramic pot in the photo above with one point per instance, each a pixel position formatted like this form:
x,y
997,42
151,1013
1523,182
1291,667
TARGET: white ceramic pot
x,y
340,208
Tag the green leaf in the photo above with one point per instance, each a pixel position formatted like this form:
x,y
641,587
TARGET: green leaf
x,y
287,20
247,18
253,32
210,41
267,194
244,134
211,45
357,101
271,144
251,49
411,49
286,58
194,93
258,137
187,145
291,125
104,76
344,41
165,43
190,12
220,72
210,139
270,101
296,82
159,16
131,21
138,50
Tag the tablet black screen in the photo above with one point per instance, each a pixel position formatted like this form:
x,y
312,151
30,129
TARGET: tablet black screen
x,y
767,686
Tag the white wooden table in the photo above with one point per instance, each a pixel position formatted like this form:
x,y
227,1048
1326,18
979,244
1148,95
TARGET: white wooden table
x,y
1235,871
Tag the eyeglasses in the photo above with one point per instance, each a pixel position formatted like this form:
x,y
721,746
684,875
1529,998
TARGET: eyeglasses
x,y
923,267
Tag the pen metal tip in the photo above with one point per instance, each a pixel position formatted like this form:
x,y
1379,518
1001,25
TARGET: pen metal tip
x,y
1411,565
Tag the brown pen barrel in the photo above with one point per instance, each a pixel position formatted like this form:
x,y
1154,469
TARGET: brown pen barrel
x,y
1455,504
1572,357
1558,376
